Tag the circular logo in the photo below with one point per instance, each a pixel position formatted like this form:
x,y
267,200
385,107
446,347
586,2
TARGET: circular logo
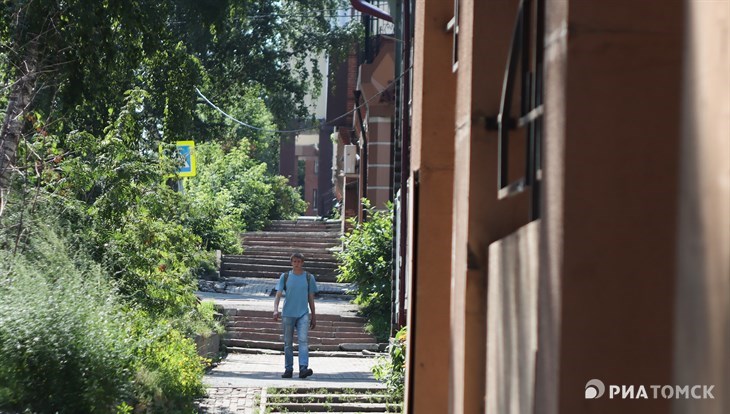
x,y
594,389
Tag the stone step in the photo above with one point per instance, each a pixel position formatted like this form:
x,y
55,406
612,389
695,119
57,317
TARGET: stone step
x,y
271,275
314,339
285,253
242,322
314,354
278,346
248,284
280,254
296,235
324,328
272,326
321,332
328,400
264,259
301,227
324,407
289,250
250,313
304,223
314,396
273,260
260,323
291,244
315,269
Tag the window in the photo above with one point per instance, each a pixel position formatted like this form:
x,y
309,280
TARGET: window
x,y
316,166
301,171
314,199
526,54
453,27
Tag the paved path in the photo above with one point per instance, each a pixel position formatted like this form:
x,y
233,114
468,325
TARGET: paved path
x,y
251,370
235,384
325,306
263,286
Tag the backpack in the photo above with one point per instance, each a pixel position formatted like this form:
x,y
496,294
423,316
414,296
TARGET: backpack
x,y
309,276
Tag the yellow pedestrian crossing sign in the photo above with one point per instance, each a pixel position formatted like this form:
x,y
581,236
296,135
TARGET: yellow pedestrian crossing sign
x,y
187,150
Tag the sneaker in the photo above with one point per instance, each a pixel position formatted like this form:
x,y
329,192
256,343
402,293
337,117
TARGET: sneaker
x,y
305,372
287,374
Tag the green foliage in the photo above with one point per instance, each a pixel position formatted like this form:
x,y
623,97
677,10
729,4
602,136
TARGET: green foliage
x,y
124,209
272,45
64,336
204,319
110,198
240,191
168,370
392,369
154,260
70,343
112,283
366,260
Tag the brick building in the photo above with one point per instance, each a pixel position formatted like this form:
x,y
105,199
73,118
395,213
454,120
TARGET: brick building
x,y
566,214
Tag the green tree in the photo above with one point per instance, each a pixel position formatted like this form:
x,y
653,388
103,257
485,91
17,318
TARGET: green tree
x,y
266,44
70,61
94,92
244,193
366,260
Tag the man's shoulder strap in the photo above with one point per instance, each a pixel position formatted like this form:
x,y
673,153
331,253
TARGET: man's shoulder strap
x,y
309,279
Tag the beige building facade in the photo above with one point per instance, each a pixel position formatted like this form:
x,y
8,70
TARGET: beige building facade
x,y
610,260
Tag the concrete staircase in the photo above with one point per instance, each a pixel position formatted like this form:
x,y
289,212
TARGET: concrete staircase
x,y
255,273
327,400
266,253
246,329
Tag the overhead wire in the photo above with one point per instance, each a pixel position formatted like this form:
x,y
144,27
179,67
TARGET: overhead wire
x,y
309,128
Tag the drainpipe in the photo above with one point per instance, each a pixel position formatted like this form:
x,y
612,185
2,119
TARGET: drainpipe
x,y
405,157
371,10
363,154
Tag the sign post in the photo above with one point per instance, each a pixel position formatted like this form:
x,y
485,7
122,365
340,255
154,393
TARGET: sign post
x,y
187,150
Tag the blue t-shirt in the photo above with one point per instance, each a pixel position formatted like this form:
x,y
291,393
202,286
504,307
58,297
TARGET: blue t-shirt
x,y
296,301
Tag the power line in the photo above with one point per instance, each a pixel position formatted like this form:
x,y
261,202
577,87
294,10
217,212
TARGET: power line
x,y
214,106
309,128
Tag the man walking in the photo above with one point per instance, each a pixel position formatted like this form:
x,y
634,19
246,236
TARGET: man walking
x,y
300,288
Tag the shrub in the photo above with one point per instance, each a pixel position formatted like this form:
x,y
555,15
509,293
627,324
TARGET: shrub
x,y
392,369
65,341
366,260
154,260
234,191
168,370
70,344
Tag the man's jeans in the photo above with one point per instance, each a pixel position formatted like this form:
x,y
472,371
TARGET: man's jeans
x,y
302,326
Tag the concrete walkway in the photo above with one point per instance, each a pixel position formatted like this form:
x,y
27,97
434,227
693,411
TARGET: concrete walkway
x,y
264,370
235,384
324,306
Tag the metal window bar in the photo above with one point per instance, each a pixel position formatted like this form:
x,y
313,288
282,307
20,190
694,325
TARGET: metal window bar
x,y
453,27
527,53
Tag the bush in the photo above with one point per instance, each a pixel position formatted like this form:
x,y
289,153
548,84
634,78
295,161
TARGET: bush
x,y
168,370
65,341
69,343
392,369
366,260
234,191
154,260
